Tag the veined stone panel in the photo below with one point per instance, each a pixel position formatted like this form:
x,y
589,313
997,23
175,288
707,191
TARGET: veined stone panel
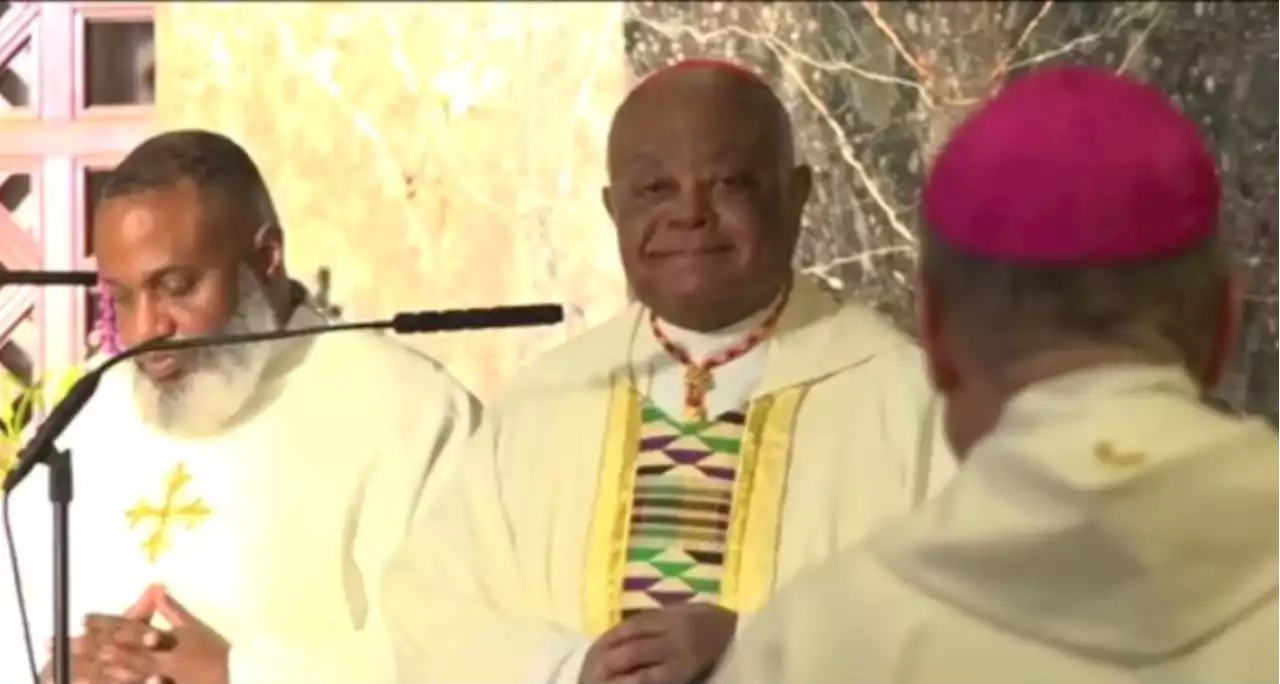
x,y
875,88
426,154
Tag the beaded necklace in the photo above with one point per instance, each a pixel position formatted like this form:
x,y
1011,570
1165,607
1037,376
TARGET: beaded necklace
x,y
698,376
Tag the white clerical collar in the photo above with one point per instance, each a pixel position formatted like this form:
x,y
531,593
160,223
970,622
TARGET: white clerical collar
x,y
701,344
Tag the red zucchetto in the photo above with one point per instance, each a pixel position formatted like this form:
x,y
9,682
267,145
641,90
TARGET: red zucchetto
x,y
1073,166
727,67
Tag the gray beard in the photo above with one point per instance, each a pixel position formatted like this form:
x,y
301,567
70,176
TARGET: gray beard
x,y
222,379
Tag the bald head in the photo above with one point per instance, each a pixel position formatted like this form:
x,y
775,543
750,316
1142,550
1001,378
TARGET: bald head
x,y
705,193
708,84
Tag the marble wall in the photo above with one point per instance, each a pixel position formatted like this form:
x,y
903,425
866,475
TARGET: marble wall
x,y
422,154
876,87
451,153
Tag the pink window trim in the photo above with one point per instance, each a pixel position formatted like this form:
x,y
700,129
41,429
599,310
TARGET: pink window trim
x,y
56,142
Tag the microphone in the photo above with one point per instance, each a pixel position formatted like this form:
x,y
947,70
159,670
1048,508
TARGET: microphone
x,y
40,447
72,278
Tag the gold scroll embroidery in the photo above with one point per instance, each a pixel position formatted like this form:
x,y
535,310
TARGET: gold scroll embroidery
x,y
1107,454
173,510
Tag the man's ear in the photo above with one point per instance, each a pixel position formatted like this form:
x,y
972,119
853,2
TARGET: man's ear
x,y
1226,331
269,251
606,199
801,184
931,326
800,187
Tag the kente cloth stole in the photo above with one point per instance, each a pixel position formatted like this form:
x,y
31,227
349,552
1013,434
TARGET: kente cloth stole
x,y
686,511
680,509
177,509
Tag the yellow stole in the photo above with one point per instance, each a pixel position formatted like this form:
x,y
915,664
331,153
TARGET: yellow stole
x,y
751,550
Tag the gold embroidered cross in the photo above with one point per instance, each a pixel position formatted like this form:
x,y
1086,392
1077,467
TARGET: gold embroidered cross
x,y
1107,454
189,513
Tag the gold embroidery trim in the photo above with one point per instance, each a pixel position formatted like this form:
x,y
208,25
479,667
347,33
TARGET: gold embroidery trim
x,y
610,525
1107,454
751,553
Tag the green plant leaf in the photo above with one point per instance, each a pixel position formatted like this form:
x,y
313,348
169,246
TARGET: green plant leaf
x,y
7,410
29,401
66,382
15,410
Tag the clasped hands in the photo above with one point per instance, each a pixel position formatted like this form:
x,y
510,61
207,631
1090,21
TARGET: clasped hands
x,y
127,649
676,645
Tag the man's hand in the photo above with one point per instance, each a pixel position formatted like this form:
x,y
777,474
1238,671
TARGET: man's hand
x,y
677,645
114,649
128,650
192,652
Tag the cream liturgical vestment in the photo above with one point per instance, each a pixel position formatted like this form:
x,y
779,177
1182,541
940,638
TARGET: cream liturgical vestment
x,y
1111,530
585,498
273,532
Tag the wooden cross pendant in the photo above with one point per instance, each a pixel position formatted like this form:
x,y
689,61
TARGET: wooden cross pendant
x,y
697,382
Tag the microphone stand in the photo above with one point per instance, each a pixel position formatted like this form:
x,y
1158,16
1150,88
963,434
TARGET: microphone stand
x,y
61,492
41,448
60,495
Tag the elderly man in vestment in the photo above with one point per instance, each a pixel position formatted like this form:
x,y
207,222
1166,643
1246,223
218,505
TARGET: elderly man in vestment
x,y
1107,525
645,485
234,506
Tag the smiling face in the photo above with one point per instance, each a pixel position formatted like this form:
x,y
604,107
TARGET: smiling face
x,y
705,197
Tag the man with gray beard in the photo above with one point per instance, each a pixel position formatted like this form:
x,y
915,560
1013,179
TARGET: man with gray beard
x,y
234,505
221,378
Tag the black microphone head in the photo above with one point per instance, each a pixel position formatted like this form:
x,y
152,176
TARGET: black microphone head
x,y
530,314
478,319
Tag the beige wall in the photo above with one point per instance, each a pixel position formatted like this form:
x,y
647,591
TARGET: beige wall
x,y
431,155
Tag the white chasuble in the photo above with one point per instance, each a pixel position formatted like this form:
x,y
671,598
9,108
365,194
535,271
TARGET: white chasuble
x,y
1111,529
274,531
527,552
